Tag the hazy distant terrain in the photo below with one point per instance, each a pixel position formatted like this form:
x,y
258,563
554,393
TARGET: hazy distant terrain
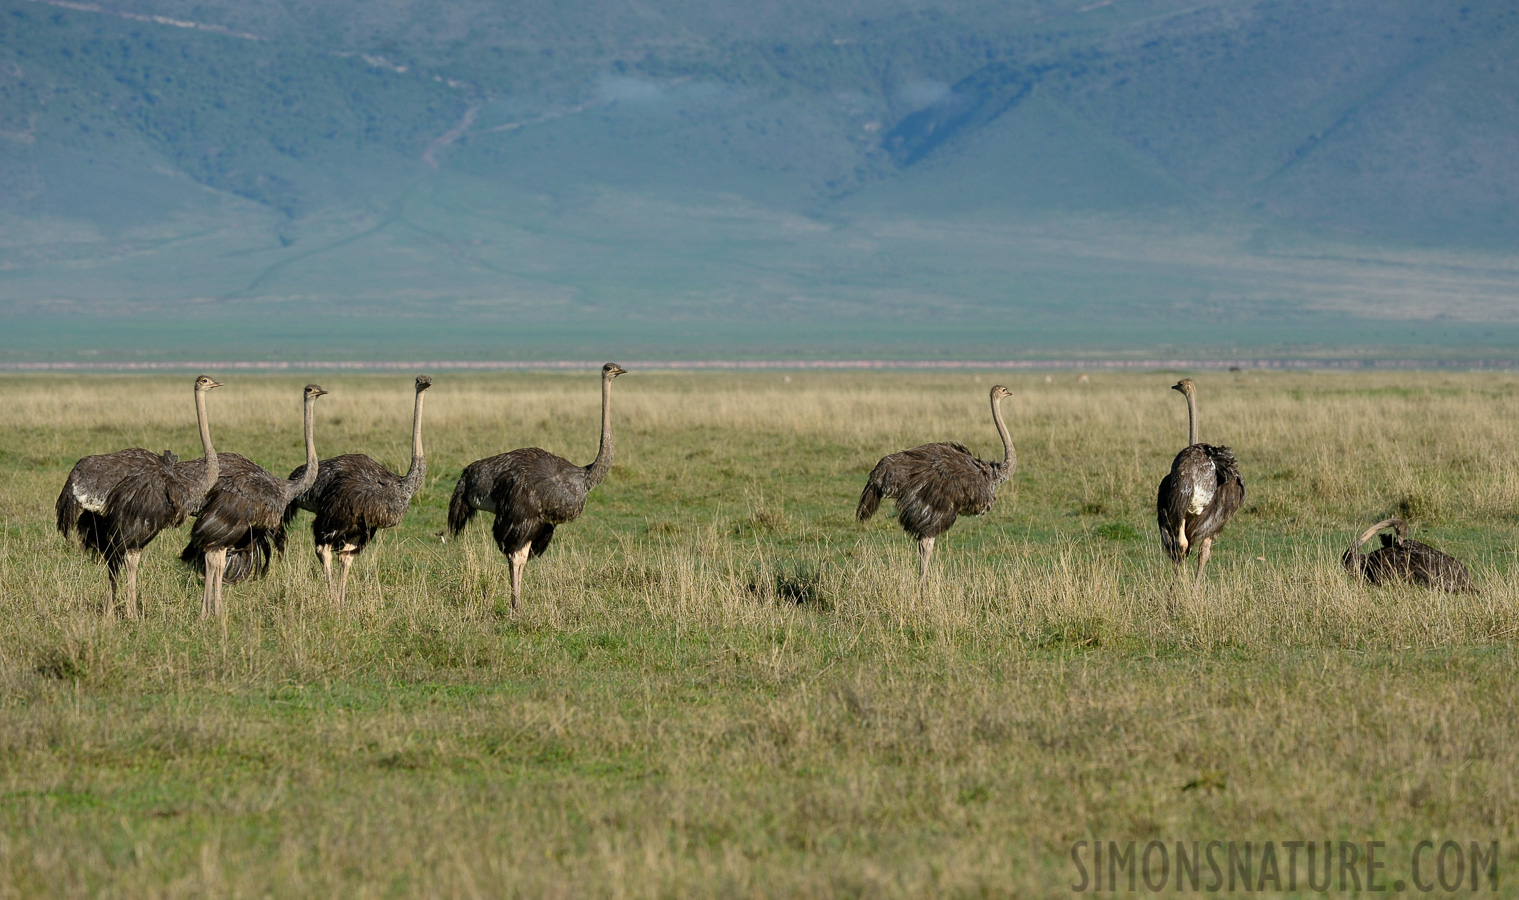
x,y
898,178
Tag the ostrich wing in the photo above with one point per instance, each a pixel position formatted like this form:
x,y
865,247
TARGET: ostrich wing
x,y
1192,480
146,503
956,479
352,497
1170,515
245,497
933,484
93,478
532,491
534,483
1401,559
1228,495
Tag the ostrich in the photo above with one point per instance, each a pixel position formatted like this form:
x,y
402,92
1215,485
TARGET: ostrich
x,y
354,496
243,515
934,483
119,502
1200,495
1402,559
531,491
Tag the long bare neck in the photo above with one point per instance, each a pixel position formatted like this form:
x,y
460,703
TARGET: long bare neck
x,y
308,477
1191,418
213,468
418,470
1009,454
598,470
1369,533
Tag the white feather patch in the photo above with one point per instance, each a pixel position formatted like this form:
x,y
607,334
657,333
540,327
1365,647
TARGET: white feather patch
x,y
92,502
1202,495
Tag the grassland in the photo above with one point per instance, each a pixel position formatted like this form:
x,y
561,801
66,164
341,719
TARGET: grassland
x,y
719,684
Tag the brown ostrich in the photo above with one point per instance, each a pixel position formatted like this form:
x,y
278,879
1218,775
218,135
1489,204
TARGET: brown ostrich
x,y
531,492
935,483
353,497
242,522
119,502
1401,558
1200,495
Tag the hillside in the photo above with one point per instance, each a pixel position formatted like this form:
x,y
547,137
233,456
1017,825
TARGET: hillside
x,y
782,179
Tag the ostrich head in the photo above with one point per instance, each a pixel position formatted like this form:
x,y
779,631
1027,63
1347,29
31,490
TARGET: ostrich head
x,y
313,391
206,383
423,383
998,392
612,370
1186,386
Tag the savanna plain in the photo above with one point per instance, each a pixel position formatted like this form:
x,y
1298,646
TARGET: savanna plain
x,y
720,684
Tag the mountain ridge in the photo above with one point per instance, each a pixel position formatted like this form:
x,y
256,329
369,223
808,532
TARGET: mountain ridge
x,y
168,158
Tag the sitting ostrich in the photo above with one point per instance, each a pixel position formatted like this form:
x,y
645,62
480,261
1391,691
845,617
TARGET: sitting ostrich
x,y
242,521
1402,559
354,496
1200,495
119,502
935,483
531,491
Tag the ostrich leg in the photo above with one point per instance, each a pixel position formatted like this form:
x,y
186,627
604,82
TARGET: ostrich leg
x,y
519,562
210,604
132,558
113,572
324,553
345,559
221,572
1202,558
925,552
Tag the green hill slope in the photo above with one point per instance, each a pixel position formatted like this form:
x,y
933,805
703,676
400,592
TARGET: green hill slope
x,y
780,178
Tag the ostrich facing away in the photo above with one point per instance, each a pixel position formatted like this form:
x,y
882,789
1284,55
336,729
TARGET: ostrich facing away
x,y
119,502
1403,559
354,496
243,516
934,483
1200,495
531,491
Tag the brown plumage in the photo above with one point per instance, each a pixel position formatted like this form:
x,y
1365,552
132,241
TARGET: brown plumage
x,y
935,483
118,502
354,496
531,492
1200,495
1402,559
242,522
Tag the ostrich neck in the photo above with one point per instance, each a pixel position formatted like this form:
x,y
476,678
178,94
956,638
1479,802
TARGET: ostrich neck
x,y
1009,454
308,477
418,470
213,468
1191,419
603,464
1371,532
